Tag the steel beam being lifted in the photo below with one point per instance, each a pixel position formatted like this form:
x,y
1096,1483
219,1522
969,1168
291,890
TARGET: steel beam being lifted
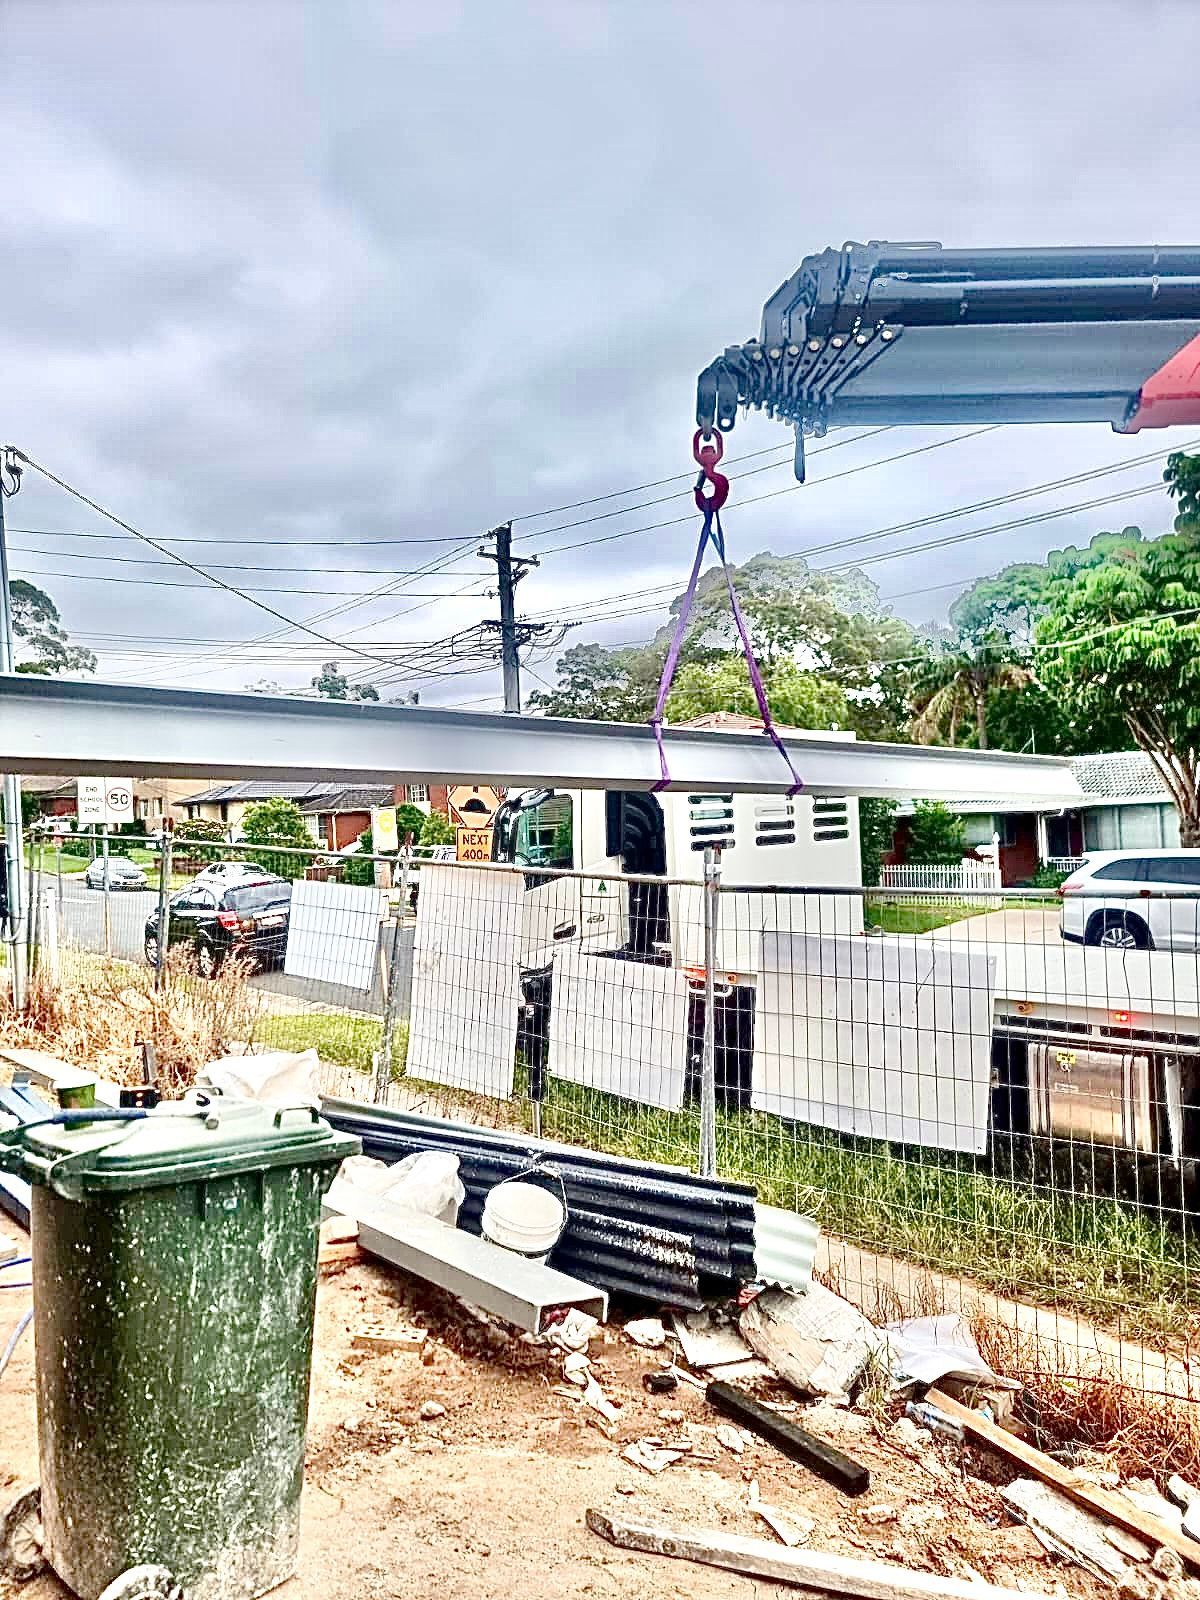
x,y
49,725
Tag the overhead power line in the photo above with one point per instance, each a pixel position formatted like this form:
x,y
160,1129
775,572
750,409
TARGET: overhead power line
x,y
209,577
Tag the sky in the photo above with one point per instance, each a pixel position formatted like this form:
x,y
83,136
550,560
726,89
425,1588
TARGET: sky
x,y
330,290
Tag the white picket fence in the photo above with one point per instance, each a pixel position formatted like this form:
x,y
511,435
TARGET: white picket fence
x,y
954,879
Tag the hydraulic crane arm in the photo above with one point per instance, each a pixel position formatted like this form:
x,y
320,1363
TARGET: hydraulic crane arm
x,y
911,333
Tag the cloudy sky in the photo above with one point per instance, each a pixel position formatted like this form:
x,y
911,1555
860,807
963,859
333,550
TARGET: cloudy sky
x,y
317,293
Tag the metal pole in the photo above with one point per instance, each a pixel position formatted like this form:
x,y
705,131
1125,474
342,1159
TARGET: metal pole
x,y
383,1060
12,784
708,1065
58,865
107,907
164,889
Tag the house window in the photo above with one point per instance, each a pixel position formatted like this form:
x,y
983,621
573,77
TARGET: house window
x,y
224,810
418,793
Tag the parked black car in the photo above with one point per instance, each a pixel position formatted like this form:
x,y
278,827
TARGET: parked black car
x,y
249,919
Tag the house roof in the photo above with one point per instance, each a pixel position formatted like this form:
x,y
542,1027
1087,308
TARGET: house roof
x,y
1124,775
308,796
255,789
361,797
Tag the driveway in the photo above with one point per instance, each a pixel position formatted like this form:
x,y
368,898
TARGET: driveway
x,y
1037,925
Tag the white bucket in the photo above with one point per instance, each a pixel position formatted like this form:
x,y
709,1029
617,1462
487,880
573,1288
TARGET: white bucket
x,y
524,1218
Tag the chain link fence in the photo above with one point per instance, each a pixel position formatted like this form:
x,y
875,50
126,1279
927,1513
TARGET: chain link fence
x,y
979,1112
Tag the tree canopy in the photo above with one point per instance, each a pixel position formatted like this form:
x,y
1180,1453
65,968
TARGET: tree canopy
x,y
276,822
42,643
1121,640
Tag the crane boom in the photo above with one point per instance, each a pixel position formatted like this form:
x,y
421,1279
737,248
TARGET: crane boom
x,y
914,334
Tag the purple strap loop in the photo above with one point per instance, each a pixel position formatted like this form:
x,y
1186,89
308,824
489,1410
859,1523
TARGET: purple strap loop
x,y
716,534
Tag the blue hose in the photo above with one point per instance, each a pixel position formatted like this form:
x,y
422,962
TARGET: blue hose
x,y
17,1261
14,1339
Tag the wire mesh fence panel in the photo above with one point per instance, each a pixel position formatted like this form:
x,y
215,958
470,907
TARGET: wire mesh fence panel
x,y
987,1108
989,1103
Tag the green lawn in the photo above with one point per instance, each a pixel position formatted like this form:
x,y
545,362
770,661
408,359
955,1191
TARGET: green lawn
x,y
343,1038
914,916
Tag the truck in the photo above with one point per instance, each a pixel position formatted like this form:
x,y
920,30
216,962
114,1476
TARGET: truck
x,y
1082,1055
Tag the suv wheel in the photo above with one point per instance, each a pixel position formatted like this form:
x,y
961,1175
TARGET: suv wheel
x,y
1118,930
151,949
206,961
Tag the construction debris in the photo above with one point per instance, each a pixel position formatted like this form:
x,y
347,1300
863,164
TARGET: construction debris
x,y
651,1458
522,1293
824,1459
1188,1498
1118,1507
1066,1529
730,1439
804,1569
817,1342
404,1341
707,1343
788,1526
654,1233
648,1332
664,1382
925,1350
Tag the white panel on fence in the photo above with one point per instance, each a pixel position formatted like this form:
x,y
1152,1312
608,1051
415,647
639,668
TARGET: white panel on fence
x,y
889,1038
620,1026
333,933
466,988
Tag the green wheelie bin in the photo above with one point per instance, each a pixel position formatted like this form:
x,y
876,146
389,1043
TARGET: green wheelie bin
x,y
174,1285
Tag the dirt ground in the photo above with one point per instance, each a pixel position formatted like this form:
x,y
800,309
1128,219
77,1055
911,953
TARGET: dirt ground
x,y
490,1497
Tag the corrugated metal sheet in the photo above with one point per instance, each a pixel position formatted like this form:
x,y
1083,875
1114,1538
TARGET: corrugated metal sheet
x,y
654,1232
785,1247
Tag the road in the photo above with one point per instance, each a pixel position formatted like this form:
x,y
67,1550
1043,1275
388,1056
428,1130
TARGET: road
x,y
82,928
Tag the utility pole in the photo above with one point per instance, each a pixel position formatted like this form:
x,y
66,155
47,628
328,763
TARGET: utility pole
x,y
513,634
10,470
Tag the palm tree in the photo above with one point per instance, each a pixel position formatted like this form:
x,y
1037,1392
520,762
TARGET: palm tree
x,y
963,677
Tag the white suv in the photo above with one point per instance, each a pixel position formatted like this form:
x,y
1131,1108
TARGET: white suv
x,y
1154,904
229,874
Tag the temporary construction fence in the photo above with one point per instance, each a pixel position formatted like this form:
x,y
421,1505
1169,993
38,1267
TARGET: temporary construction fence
x,y
978,1112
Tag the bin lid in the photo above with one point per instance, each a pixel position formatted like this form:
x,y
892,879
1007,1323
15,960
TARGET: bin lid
x,y
204,1135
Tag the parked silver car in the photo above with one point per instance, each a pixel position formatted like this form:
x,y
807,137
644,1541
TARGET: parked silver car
x,y
1154,904
122,874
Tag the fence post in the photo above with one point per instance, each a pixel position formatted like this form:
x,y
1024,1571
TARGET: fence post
x,y
383,1059
708,1063
164,889
58,864
107,906
48,960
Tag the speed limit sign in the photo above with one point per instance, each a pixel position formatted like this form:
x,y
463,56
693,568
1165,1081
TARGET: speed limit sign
x,y
118,801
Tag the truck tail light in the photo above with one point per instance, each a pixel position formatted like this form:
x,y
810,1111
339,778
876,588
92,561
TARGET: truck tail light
x,y
1122,1018
228,919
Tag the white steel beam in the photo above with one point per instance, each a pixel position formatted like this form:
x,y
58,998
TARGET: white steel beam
x,y
50,725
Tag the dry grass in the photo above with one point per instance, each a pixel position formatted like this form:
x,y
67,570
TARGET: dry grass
x,y
98,1021
1070,1397
1141,1432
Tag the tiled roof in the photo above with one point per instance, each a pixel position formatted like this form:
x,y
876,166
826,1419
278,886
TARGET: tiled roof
x,y
361,798
256,789
1125,775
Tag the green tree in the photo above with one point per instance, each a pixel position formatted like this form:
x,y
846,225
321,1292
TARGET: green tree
x,y
1123,639
960,682
42,645
335,686
876,828
276,822
200,840
797,699
935,835
410,819
602,685
437,829
828,626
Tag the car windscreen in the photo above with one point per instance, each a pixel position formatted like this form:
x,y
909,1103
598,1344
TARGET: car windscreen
x,y
252,897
